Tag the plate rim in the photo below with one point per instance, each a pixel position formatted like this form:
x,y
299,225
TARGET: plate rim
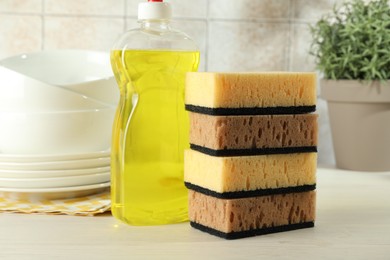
x,y
59,189
52,157
60,178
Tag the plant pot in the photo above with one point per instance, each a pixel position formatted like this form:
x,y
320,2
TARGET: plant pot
x,y
359,115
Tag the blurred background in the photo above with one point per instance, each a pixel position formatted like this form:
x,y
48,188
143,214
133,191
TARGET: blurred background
x,y
233,35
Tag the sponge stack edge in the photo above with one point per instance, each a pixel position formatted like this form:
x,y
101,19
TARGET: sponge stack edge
x,y
251,169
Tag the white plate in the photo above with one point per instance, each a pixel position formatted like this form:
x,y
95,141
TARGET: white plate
x,y
51,173
58,182
59,165
51,157
54,193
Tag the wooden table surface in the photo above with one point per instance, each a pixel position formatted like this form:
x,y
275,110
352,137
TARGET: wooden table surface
x,y
353,222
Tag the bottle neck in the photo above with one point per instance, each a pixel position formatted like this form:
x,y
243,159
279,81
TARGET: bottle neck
x,y
155,24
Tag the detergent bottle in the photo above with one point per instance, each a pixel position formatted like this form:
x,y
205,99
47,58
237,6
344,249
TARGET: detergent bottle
x,y
151,125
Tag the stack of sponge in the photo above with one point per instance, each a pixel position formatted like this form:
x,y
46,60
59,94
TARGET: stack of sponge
x,y
251,169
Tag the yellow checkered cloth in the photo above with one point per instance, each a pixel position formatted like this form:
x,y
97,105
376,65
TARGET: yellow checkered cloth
x,y
82,206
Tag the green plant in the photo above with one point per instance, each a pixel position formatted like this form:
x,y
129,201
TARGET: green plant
x,y
353,41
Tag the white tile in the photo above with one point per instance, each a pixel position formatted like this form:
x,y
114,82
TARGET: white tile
x,y
189,8
247,46
85,7
21,6
249,9
82,33
309,10
132,7
19,34
300,58
180,8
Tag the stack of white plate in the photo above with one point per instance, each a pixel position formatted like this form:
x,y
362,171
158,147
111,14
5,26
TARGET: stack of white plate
x,y
56,115
69,175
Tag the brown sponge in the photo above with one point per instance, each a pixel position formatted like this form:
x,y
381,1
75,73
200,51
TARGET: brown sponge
x,y
253,132
237,218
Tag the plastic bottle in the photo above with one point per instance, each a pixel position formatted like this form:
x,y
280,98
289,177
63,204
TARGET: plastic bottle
x,y
151,126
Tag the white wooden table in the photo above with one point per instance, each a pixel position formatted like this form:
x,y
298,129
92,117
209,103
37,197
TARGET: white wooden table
x,y
353,222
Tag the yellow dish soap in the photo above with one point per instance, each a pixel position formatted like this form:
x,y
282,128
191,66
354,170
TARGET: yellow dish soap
x,y
151,125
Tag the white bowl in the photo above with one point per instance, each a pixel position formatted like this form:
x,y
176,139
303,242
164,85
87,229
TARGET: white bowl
x,y
55,182
51,173
62,67
85,72
74,132
103,90
21,93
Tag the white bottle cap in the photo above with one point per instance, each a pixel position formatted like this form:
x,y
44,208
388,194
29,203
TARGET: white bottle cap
x,y
154,10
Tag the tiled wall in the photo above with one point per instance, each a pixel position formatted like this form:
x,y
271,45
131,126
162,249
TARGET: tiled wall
x,y
233,35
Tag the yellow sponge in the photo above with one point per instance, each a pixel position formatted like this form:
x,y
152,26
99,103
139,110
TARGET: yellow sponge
x,y
239,90
249,173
